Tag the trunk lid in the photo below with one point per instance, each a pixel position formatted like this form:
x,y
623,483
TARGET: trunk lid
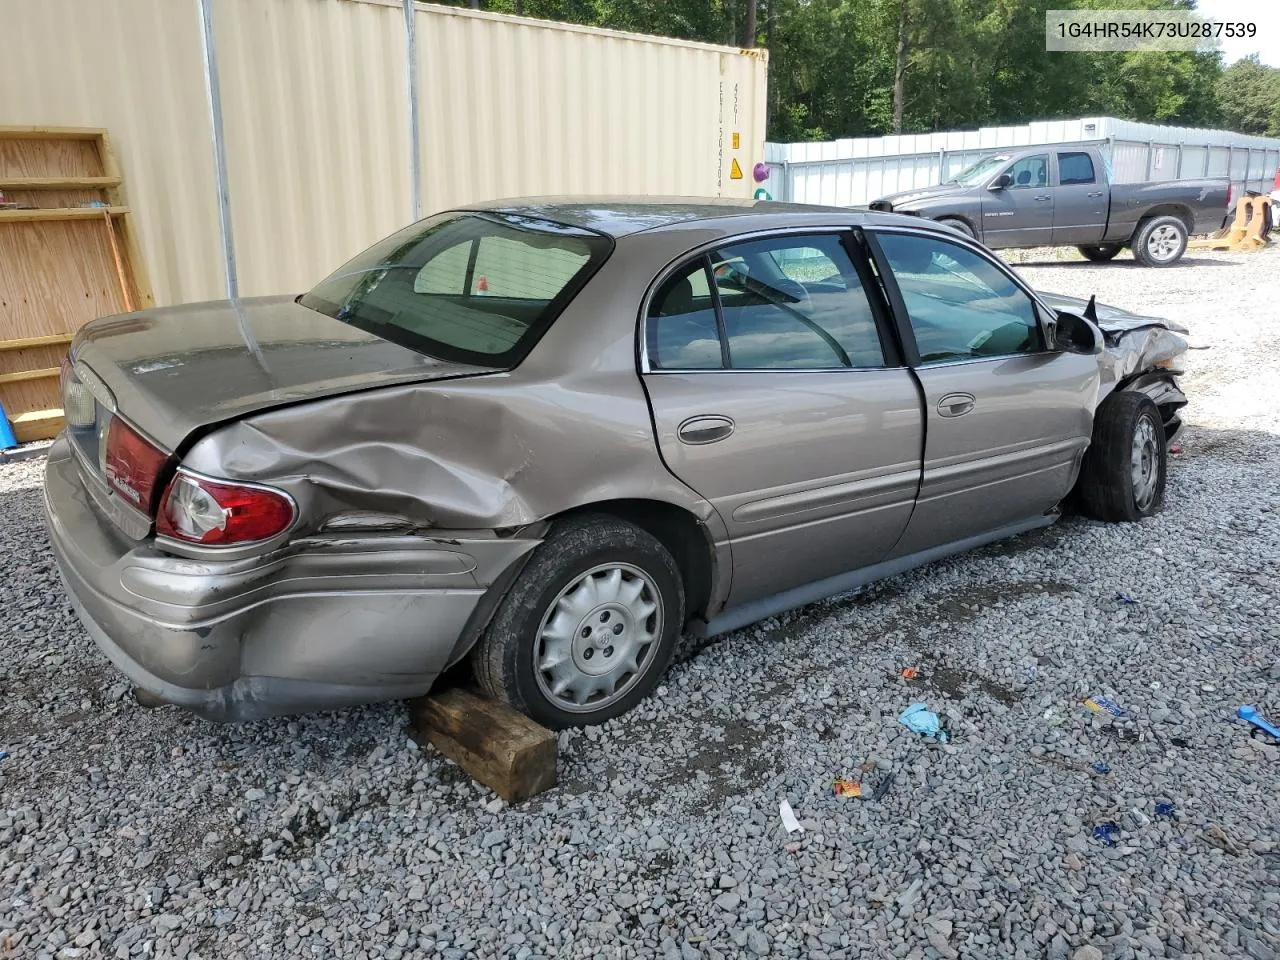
x,y
174,370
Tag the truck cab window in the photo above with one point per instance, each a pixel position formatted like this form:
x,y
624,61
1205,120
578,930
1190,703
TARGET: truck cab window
x,y
1030,171
1075,168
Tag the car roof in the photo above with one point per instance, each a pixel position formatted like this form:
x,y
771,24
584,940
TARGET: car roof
x,y
620,216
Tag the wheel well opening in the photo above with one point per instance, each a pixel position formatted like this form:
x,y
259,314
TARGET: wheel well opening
x,y
1170,210
681,533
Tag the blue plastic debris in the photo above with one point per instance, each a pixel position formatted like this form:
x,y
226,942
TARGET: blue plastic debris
x,y
4,755
7,440
1251,715
1100,704
1106,832
1101,767
920,719
1125,598
1164,809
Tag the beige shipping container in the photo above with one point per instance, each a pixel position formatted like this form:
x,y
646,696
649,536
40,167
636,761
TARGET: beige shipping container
x,y
315,109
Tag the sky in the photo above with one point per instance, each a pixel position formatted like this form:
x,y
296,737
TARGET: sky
x,y
1265,13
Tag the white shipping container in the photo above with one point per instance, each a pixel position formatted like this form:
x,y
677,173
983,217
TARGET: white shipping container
x,y
315,108
856,171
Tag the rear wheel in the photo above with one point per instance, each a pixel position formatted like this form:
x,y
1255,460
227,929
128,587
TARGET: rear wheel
x,y
1101,253
1123,474
960,225
589,626
1160,241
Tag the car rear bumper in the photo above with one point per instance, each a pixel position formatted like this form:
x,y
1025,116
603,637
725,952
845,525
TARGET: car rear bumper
x,y
321,623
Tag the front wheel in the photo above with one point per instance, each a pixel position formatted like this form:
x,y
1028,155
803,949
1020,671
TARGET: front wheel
x,y
1123,474
1160,241
1100,253
958,225
588,627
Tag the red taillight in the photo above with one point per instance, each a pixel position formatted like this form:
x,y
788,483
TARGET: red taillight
x,y
1229,194
132,465
218,514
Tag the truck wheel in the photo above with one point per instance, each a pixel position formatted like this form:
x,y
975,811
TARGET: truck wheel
x,y
587,628
1160,241
1101,253
957,224
1123,474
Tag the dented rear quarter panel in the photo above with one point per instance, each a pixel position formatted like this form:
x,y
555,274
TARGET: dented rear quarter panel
x,y
568,428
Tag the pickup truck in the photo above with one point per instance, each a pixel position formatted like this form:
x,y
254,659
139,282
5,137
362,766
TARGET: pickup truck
x,y
1063,196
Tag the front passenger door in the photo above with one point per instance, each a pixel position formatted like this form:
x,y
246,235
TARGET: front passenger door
x,y
1007,419
1021,214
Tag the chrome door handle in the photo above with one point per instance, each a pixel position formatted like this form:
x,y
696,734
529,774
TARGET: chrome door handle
x,y
956,404
1044,198
704,429
1096,193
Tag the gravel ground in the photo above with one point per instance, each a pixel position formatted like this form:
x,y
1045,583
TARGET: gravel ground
x,y
126,832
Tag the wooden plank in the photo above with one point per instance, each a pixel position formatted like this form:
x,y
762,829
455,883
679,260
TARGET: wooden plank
x,y
59,213
21,375
55,278
41,157
58,183
498,747
51,133
26,343
37,425
60,199
28,395
117,196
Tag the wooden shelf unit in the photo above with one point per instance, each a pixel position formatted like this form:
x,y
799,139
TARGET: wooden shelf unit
x,y
70,254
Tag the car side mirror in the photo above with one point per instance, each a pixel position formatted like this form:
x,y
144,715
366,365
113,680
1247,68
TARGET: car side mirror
x,y
1002,181
1071,333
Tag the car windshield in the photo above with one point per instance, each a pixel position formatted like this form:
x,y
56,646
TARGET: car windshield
x,y
978,171
476,288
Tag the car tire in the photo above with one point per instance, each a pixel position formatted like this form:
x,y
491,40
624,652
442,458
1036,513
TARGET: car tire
x,y
1160,241
1122,477
1102,252
598,576
957,224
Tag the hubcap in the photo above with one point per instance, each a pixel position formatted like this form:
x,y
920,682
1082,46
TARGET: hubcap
x,y
1163,242
597,637
1145,464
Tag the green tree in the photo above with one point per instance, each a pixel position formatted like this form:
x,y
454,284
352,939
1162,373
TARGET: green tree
x,y
1249,97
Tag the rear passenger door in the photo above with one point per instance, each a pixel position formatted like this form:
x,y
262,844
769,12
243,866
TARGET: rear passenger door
x,y
1080,200
1007,419
777,397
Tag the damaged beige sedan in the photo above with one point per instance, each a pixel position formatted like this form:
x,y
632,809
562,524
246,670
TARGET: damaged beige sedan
x,y
549,436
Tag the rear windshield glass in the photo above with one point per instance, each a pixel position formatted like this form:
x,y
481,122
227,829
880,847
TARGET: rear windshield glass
x,y
476,288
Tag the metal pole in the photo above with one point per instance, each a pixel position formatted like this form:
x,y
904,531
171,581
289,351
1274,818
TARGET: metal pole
x,y
219,146
411,88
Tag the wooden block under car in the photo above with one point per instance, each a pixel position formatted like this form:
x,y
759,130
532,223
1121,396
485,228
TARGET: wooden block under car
x,y
500,748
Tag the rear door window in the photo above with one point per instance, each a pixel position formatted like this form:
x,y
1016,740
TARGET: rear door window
x,y
682,328
774,304
1075,168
